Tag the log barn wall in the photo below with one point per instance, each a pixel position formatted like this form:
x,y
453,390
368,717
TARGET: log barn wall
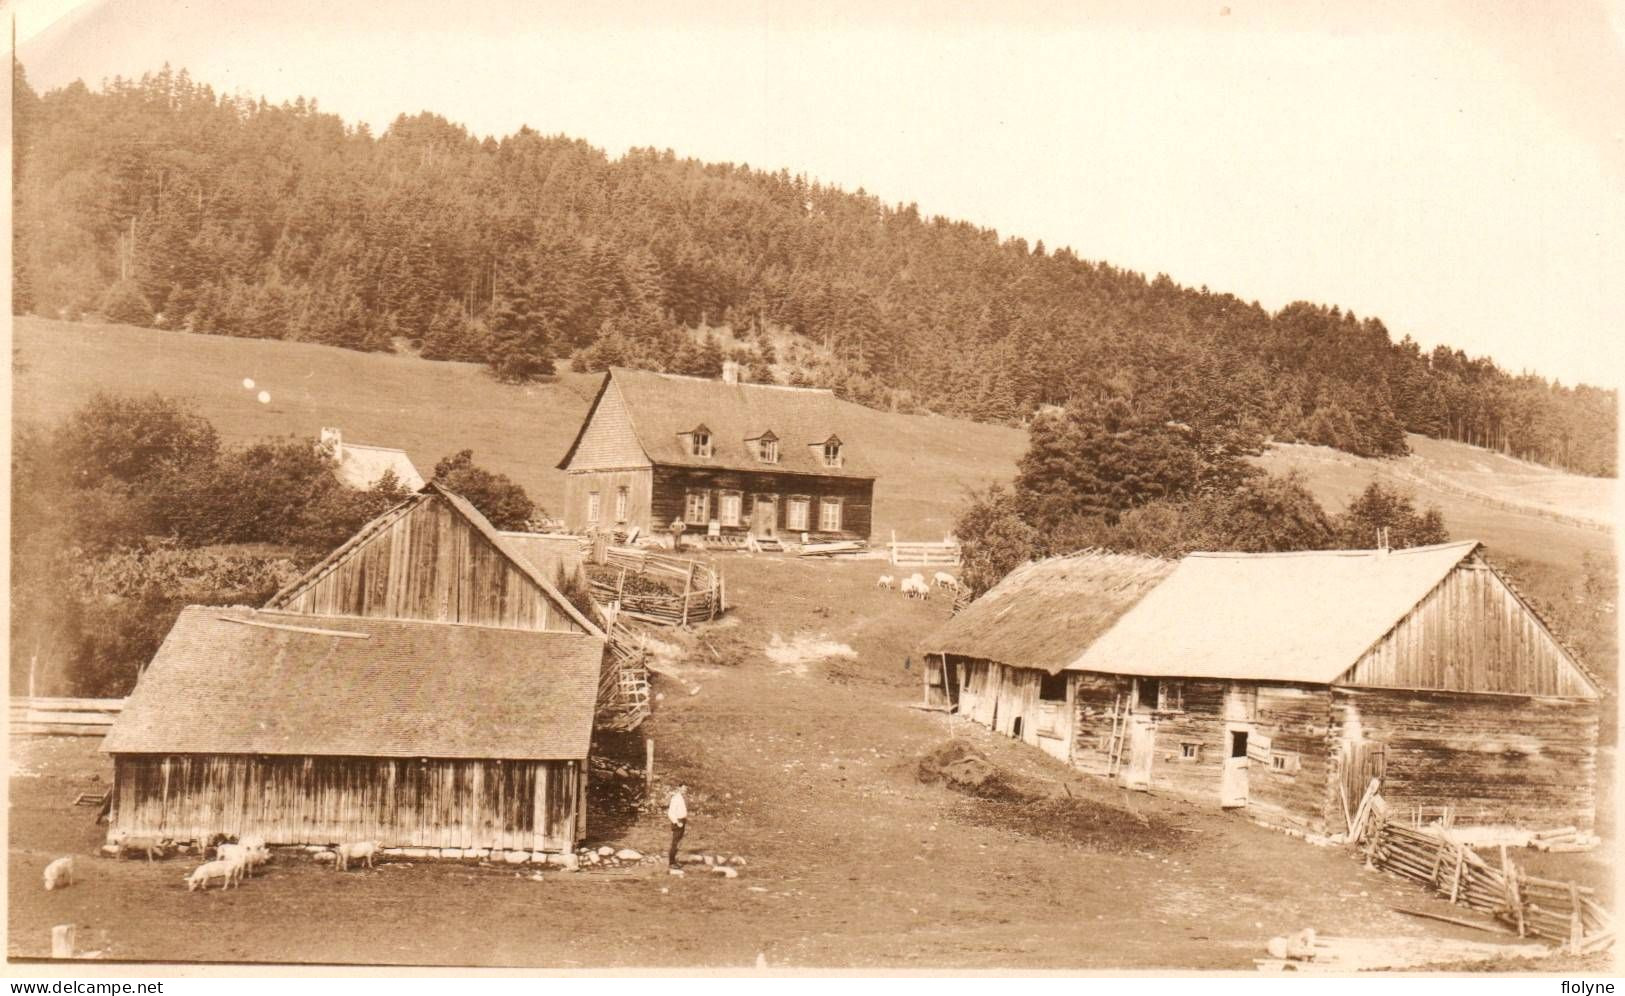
x,y
1499,759
1093,697
672,485
1296,720
429,563
400,802
1201,723
1470,634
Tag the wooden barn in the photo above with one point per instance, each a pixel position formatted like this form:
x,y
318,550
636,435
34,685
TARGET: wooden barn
x,y
1000,661
1283,683
727,459
435,557
313,730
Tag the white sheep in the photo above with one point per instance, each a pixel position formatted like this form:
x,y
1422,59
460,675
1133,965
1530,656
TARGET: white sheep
x,y
59,874
945,580
884,582
361,850
915,587
225,871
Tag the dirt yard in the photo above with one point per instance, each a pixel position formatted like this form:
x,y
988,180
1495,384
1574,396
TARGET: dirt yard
x,y
791,724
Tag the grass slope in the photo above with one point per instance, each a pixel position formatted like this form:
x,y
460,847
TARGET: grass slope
x,y
1535,519
432,409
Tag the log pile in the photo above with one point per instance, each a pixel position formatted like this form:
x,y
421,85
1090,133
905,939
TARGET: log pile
x,y
1563,839
1557,911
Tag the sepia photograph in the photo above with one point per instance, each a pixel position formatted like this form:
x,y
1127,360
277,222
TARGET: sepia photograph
x,y
794,490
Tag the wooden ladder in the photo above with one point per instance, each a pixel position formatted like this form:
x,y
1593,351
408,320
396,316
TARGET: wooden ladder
x,y
1114,745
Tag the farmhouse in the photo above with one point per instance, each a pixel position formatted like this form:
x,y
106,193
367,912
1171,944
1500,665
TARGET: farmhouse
x,y
317,730
1284,683
363,467
727,459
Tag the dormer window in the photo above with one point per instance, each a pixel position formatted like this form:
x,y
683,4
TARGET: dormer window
x,y
832,452
699,442
767,448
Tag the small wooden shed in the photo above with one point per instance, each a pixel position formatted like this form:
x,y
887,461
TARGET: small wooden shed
x,y
1284,683
316,730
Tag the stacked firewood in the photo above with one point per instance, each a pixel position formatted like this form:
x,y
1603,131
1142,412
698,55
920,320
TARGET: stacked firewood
x,y
1563,839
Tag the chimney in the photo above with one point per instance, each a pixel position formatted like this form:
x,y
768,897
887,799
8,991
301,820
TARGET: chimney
x,y
332,438
730,372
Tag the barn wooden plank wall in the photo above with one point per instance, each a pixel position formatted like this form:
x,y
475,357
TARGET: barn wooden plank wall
x,y
429,563
1093,696
1295,718
519,805
1500,759
1470,634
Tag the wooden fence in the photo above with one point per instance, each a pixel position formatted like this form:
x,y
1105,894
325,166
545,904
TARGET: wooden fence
x,y
623,684
704,594
1558,911
63,717
922,554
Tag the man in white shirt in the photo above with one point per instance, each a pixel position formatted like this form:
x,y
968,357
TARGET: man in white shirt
x,y
677,812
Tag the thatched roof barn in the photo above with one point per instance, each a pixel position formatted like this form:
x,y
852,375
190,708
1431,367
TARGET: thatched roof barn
x,y
1285,683
322,729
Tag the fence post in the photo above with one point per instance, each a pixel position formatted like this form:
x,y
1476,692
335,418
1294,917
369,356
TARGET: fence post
x,y
62,940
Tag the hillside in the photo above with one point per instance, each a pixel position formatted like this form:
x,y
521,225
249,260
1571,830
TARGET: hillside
x,y
160,203
431,409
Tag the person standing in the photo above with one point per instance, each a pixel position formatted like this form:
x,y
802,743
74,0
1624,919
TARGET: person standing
x,y
677,813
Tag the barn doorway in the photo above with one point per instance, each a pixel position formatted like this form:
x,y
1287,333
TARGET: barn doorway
x,y
1233,783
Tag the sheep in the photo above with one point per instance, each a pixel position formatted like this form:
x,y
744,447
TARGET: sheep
x,y
151,846
59,873
915,587
884,582
225,871
945,580
361,850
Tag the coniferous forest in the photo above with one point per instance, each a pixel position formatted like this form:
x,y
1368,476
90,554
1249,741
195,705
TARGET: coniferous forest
x,y
160,202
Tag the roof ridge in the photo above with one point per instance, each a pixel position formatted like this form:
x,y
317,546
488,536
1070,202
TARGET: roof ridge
x,y
712,380
372,446
1243,555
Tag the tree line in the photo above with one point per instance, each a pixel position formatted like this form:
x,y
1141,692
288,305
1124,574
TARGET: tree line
x,y
132,509
159,202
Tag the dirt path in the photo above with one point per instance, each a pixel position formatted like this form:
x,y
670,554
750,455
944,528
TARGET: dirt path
x,y
809,772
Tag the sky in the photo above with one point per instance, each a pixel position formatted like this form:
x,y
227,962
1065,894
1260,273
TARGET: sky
x,y
1460,175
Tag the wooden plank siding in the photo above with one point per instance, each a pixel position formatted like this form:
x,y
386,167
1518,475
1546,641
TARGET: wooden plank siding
x,y
579,486
1470,634
1499,759
515,805
672,485
429,563
1201,723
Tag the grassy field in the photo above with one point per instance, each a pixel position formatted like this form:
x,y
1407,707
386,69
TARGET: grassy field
x,y
1536,520
433,409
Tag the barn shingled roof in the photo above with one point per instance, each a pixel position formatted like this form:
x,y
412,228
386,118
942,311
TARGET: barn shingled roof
x,y
663,406
1296,617
245,681
1044,614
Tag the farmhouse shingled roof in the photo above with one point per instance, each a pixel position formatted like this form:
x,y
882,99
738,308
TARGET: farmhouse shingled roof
x,y
1296,617
1044,614
663,407
245,681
